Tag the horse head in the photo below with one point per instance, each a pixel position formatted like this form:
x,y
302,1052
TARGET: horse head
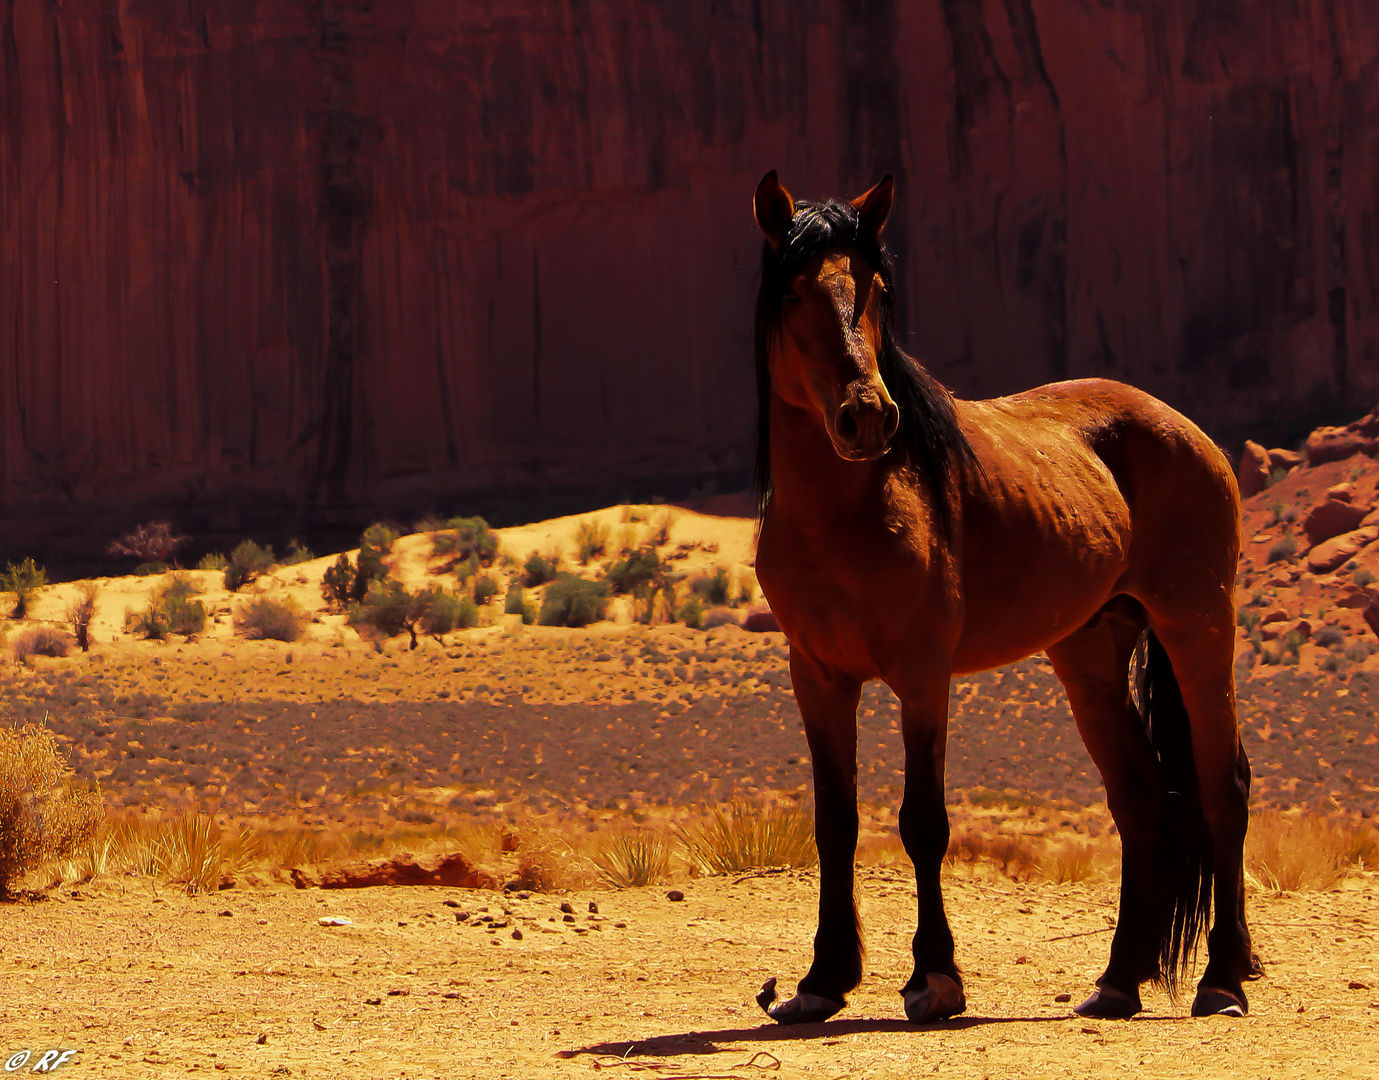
x,y
832,312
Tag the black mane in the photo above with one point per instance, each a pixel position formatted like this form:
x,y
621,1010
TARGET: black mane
x,y
928,437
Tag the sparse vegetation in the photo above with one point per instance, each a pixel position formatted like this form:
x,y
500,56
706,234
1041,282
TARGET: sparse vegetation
x,y
592,539
389,609
297,552
691,612
633,858
337,584
574,601
485,588
540,568
153,542
464,537
277,620
715,588
637,570
747,834
515,603
80,612
1363,577
148,569
23,579
43,815
1296,852
248,562
40,641
375,545
1283,548
214,560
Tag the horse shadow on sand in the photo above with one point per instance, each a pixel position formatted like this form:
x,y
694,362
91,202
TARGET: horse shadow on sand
x,y
729,1040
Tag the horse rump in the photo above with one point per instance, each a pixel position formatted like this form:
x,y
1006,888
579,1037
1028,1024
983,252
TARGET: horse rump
x,y
1185,849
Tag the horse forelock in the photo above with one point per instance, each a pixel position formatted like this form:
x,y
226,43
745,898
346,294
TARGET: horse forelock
x,y
928,437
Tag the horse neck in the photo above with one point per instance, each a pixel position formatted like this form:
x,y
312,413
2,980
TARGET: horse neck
x,y
809,479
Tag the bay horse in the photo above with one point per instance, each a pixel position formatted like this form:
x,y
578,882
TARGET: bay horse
x,y
908,536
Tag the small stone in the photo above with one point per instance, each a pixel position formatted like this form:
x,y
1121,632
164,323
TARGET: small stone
x,y
334,920
1062,998
262,1040
675,894
568,918
226,914
524,895
461,916
373,1001
517,935
567,907
593,907
451,903
1022,959
1358,986
398,993
401,923
620,926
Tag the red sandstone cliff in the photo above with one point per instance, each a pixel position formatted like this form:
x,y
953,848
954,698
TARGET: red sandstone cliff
x,y
270,259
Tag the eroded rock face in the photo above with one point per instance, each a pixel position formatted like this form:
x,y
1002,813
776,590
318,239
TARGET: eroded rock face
x,y
1331,518
1253,474
287,260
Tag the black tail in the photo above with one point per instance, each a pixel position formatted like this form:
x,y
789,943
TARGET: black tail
x,y
1185,858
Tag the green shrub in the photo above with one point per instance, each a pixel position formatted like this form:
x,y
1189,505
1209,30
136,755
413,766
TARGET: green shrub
x,y
152,623
485,588
247,562
389,609
80,613
515,603
437,611
384,608
148,569
573,601
297,552
337,584
23,579
466,536
375,545
468,568
640,568
183,615
214,560
276,620
691,612
539,569
1247,619
592,539
715,588
633,858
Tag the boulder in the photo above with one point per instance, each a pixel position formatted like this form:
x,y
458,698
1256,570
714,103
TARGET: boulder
x,y
1337,551
1332,518
1371,615
1254,469
1285,459
1343,492
1282,629
455,871
760,620
1353,596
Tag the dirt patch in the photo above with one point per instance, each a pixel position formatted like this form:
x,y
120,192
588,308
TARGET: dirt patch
x,y
140,987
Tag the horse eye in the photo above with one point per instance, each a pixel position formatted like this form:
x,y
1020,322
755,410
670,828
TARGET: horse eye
x,y
791,296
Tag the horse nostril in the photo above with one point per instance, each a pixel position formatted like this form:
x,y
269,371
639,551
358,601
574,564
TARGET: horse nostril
x,y
846,424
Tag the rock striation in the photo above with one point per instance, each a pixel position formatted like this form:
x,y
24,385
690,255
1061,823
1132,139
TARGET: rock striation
x,y
300,261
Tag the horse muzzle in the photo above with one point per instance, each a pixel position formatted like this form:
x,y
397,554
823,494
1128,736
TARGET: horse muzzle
x,y
862,431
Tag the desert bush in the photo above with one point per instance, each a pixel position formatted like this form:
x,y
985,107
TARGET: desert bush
x,y
80,612
149,543
23,579
539,568
337,584
592,539
148,569
1359,652
714,588
40,641
1291,644
438,611
189,850
485,588
691,612
375,545
1013,856
1071,862
1283,548
1300,852
42,815
1363,577
1247,619
661,537
655,602
276,620
247,562
389,609
214,560
633,858
297,552
185,615
1328,637
750,834
464,537
574,601
1276,511
638,569
515,603
152,623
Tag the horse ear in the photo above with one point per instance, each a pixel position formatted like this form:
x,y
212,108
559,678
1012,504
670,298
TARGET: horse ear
x,y
773,208
875,206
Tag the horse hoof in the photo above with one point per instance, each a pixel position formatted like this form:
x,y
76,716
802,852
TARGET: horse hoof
x,y
1256,967
1213,1001
941,998
804,1009
1108,1003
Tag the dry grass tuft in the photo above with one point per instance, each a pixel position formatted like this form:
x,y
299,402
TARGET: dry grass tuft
x,y
278,620
634,857
1294,851
1014,856
43,818
747,835
1071,862
190,850
40,641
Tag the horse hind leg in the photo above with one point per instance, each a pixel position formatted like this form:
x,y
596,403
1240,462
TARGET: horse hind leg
x,y
1196,664
1093,665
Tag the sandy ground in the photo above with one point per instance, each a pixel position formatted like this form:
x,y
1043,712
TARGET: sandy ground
x,y
249,983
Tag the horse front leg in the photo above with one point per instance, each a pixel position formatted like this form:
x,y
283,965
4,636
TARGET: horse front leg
x,y
828,705
934,991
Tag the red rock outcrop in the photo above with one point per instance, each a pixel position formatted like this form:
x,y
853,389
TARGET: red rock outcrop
x,y
284,261
1253,473
453,870
1331,518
